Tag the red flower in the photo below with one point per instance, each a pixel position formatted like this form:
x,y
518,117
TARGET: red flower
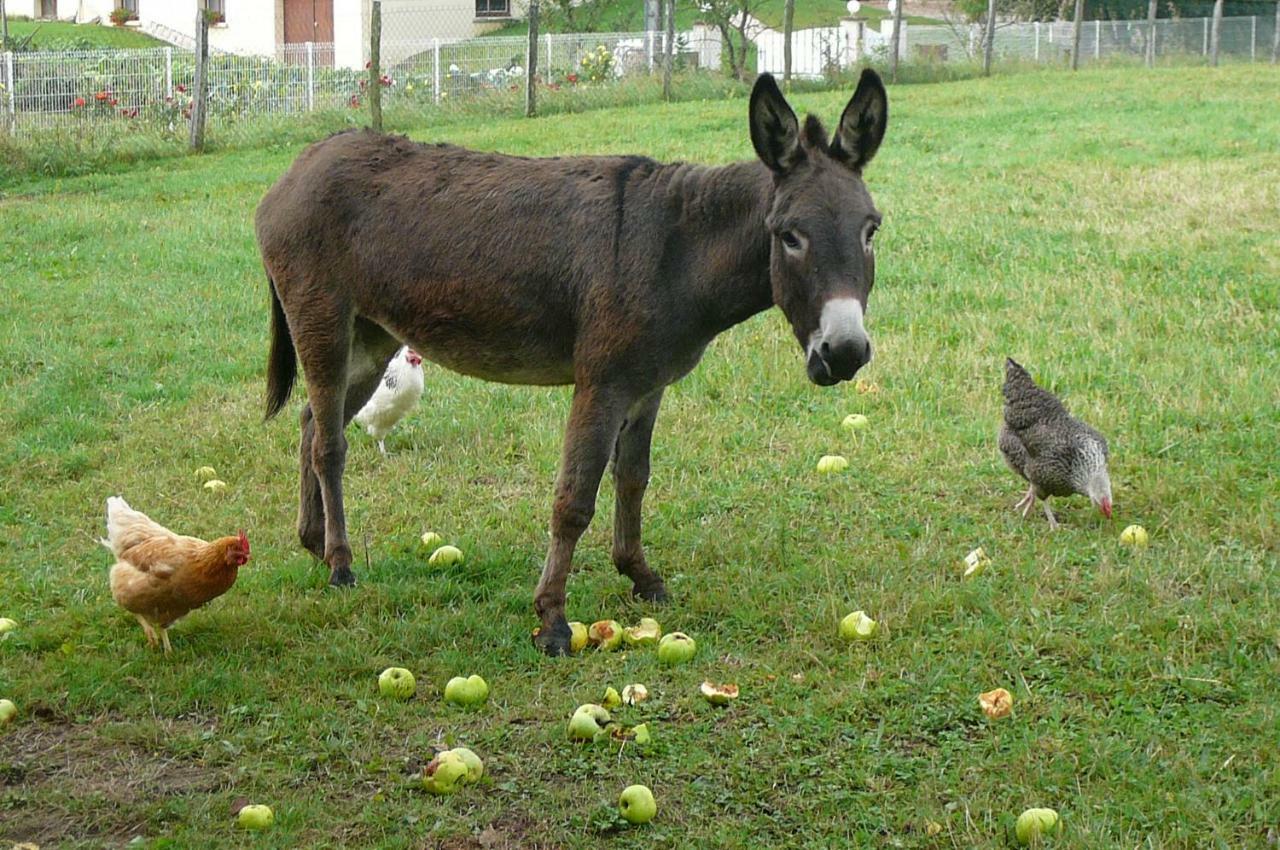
x,y
364,84
101,96
181,89
78,102
386,80
573,78
355,101
368,65
114,102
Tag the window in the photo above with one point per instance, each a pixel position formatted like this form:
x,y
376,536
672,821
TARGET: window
x,y
493,8
216,10
130,6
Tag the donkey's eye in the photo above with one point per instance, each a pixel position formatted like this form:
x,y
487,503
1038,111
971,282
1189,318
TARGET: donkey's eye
x,y
790,240
868,234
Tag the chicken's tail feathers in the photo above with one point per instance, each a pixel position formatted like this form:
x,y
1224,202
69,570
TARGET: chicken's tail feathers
x,y
126,527
282,362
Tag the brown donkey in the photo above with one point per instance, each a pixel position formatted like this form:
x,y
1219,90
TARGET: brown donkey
x,y
611,273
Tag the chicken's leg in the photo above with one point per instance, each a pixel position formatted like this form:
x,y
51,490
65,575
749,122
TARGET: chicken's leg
x,y
164,636
1053,521
1027,502
382,447
152,640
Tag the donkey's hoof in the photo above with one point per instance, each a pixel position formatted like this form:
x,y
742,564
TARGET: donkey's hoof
x,y
342,578
554,639
654,591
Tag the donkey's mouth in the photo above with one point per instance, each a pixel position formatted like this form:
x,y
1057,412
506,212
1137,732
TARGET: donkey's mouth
x,y
819,373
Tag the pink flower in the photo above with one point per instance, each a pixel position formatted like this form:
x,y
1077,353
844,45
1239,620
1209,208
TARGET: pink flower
x,y
78,102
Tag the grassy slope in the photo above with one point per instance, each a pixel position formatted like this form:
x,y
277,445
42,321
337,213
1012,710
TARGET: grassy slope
x,y
55,35
1114,233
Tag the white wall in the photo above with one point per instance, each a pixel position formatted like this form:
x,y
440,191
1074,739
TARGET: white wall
x,y
250,28
92,10
350,34
22,8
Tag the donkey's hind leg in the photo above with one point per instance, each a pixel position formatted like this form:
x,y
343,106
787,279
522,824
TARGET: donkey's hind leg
x,y
310,502
631,478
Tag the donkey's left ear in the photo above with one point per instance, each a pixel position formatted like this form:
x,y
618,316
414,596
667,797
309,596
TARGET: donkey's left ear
x,y
863,123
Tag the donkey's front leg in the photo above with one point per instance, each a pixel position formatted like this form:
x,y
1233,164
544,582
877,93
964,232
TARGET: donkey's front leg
x,y
630,478
594,420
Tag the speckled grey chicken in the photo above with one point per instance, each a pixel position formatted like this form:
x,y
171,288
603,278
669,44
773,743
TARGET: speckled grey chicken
x,y
1056,453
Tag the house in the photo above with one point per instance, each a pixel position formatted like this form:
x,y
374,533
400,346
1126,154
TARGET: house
x,y
264,27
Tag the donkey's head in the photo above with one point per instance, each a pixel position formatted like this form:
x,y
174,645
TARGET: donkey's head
x,y
822,222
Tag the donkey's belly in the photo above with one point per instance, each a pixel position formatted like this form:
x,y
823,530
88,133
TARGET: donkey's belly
x,y
504,360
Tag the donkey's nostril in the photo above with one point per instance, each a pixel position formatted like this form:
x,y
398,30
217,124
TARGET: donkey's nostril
x,y
825,349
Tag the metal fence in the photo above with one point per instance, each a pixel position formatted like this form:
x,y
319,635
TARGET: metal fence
x,y
86,91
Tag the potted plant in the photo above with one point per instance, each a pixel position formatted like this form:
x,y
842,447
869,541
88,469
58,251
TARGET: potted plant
x,y
121,16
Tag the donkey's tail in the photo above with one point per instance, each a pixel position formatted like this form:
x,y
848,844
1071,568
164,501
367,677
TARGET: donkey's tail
x,y
282,362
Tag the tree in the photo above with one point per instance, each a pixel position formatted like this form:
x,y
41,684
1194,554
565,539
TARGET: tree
x,y
732,18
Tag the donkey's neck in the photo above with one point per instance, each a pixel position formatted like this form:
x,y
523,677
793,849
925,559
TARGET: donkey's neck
x,y
725,250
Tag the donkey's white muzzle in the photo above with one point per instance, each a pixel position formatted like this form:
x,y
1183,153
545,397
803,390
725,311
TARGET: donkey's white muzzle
x,y
840,346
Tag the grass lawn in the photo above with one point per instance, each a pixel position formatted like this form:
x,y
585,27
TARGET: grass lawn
x,y
62,35
1115,230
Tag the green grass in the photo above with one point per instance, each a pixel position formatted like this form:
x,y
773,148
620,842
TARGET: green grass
x,y
1118,234
62,35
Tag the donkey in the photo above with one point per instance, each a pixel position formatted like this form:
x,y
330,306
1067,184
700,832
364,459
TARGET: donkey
x,y
611,273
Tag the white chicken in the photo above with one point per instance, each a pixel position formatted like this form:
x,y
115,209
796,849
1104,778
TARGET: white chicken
x,y
397,394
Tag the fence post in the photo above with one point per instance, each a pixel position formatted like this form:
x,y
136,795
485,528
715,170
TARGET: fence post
x,y
1216,40
669,67
1097,39
1253,39
436,72
990,36
200,90
10,93
1205,50
897,37
531,64
311,76
375,66
648,46
1075,35
1152,10
1037,41
548,58
168,71
788,27
1275,37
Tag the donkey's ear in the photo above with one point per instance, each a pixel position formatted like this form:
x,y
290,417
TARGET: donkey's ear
x,y
775,132
863,123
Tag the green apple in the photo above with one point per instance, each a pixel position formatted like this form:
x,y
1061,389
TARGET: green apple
x,y
635,694
397,683
1036,824
431,540
475,767
676,648
256,817
858,626
718,694
577,637
976,563
636,805
831,464
472,690
587,722
7,625
445,773
855,422
204,473
605,635
644,634
1135,536
611,699
213,485
445,556
8,711
641,734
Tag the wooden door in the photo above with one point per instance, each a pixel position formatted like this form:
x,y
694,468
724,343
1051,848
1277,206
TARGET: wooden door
x,y
48,8
308,20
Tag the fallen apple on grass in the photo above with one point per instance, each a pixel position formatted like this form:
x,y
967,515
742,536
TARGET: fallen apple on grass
x,y
431,540
256,817
676,648
7,625
858,626
445,773
204,473
636,804
646,633
641,735
611,699
605,635
1036,824
446,556
635,694
577,637
996,704
855,422
472,690
831,464
397,683
1135,536
8,711
214,485
718,694
588,721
